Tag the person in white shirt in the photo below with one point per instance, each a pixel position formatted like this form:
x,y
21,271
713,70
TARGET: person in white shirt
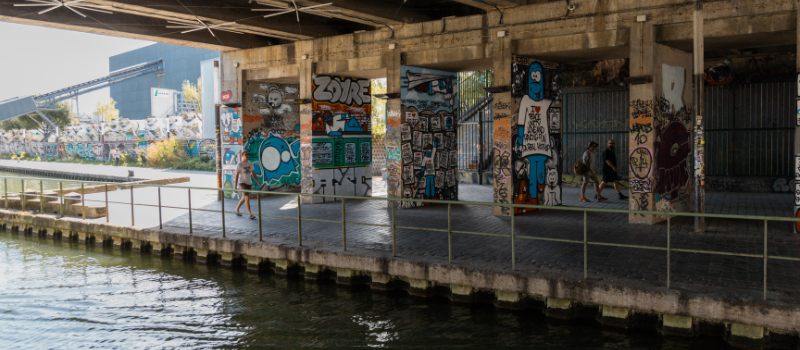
x,y
589,158
243,177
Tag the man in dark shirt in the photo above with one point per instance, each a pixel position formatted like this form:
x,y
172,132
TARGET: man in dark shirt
x,y
610,170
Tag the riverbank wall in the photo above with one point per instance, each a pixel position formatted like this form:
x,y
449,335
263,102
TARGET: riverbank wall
x,y
745,322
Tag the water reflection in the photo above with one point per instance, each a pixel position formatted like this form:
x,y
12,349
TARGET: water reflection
x,y
67,297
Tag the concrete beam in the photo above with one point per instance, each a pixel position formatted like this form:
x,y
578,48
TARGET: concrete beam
x,y
739,32
490,4
372,13
589,46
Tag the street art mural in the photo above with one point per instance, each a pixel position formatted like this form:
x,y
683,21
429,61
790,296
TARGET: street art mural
x,y
341,136
231,125
797,167
99,151
272,135
426,155
673,149
536,135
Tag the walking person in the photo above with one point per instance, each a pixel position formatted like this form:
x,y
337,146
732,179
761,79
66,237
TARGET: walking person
x,y
589,158
243,177
116,155
610,170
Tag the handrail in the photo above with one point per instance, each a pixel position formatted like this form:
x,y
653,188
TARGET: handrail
x,y
58,194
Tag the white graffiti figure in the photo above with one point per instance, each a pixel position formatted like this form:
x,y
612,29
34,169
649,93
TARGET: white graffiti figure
x,y
533,142
275,100
552,193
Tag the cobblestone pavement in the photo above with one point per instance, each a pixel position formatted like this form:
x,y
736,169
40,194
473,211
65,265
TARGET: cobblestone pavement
x,y
688,271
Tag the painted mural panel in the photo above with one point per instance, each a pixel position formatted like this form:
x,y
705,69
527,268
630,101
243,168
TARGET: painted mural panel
x,y
673,149
230,158
341,136
231,125
272,135
428,141
536,133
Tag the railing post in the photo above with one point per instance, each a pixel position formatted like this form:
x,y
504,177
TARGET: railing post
x,y
83,202
189,191
344,227
299,223
585,247
60,198
5,190
513,239
108,219
669,248
394,236
765,258
22,193
449,235
132,214
160,225
222,211
41,197
260,236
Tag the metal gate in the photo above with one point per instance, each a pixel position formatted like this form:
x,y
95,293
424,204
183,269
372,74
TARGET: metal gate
x,y
750,129
597,116
475,121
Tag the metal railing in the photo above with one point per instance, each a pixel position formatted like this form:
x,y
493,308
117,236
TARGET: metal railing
x,y
512,236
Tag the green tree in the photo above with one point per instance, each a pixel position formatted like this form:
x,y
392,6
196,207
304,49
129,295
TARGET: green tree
x,y
378,86
60,117
191,93
107,111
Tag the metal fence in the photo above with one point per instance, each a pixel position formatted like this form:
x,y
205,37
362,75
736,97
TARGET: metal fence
x,y
595,116
475,122
394,225
750,129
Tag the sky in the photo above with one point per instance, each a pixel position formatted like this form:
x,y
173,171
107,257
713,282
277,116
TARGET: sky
x,y
39,60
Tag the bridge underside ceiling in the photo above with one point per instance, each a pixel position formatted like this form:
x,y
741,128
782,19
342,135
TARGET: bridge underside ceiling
x,y
148,19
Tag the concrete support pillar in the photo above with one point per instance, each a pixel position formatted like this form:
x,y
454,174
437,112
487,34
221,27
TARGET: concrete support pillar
x,y
284,267
253,263
201,255
420,288
392,60
509,300
699,124
560,308
746,336
502,51
615,316
660,158
382,282
347,276
677,325
306,72
313,272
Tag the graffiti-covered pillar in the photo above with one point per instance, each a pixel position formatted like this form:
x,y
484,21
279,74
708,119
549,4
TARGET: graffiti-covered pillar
x,y
394,184
797,136
502,123
428,142
660,158
341,137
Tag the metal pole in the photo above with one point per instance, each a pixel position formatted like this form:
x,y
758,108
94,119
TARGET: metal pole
x,y
60,198
299,223
585,248
41,197
394,236
223,212
699,124
513,239
83,203
107,212
450,235
344,228
258,197
765,259
5,190
190,210
669,248
22,193
132,215
160,225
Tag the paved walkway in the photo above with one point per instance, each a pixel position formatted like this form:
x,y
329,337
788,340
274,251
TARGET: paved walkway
x,y
739,277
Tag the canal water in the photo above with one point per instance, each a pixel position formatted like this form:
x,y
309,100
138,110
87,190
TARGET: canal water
x,y
67,296
14,185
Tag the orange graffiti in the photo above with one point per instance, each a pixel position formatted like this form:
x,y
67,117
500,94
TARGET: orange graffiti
x,y
252,119
641,119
